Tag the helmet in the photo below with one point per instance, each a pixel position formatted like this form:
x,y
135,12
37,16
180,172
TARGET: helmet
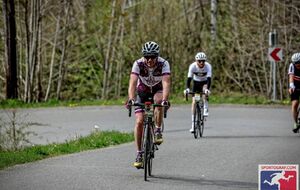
x,y
200,56
150,49
295,57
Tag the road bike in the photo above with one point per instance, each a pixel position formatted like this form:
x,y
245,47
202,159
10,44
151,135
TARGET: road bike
x,y
198,114
148,145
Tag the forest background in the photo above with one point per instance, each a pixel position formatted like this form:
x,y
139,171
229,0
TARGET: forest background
x,y
84,49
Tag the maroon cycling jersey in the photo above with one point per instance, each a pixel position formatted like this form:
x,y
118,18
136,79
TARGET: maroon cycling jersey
x,y
150,79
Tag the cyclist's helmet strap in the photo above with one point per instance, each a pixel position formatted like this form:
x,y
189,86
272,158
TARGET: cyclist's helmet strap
x,y
150,49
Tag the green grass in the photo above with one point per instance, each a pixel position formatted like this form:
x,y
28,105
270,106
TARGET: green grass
x,y
94,141
4,104
233,98
228,98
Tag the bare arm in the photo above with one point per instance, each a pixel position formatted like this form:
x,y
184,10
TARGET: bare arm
x,y
166,82
291,78
291,83
132,85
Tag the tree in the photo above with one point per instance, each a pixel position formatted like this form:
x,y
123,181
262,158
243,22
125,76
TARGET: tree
x,y
10,49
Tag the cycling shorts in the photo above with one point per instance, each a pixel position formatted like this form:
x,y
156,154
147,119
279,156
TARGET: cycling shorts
x,y
198,87
143,97
295,95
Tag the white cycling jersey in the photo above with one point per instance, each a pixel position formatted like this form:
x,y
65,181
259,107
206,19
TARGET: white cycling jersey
x,y
199,74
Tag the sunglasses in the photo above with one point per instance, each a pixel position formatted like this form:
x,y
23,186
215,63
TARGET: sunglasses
x,y
150,57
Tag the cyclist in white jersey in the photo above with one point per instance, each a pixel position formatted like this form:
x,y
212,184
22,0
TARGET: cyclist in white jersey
x,y
149,80
200,72
294,87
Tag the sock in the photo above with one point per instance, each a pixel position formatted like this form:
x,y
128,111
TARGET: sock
x,y
157,129
205,105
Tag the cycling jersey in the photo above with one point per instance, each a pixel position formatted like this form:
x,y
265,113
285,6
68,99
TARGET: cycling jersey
x,y
199,74
296,74
293,70
150,79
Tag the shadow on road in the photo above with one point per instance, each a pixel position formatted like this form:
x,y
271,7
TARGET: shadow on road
x,y
185,180
248,137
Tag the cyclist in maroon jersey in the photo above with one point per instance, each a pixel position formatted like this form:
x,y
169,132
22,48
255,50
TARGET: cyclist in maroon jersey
x,y
149,80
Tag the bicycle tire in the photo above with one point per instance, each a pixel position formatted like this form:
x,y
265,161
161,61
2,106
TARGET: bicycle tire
x,y
151,152
196,121
150,166
146,151
298,117
201,124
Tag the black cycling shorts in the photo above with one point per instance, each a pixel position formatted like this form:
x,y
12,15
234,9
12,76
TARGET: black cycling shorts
x,y
145,97
296,94
198,86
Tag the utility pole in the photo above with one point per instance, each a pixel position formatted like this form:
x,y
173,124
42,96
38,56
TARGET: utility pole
x,y
273,41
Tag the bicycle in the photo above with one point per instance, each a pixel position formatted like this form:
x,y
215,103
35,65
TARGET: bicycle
x,y
148,145
198,114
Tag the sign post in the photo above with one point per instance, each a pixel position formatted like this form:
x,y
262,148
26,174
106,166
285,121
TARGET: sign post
x,y
274,55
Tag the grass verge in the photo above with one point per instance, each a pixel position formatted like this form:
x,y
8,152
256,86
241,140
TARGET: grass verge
x,y
94,141
225,98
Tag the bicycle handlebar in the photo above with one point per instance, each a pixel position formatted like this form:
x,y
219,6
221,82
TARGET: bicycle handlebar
x,y
143,107
192,93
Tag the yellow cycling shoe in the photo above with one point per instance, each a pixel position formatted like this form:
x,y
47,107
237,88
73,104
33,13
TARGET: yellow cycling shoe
x,y
158,139
139,161
138,165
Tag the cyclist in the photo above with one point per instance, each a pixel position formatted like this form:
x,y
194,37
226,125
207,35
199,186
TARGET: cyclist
x,y
200,72
150,79
294,87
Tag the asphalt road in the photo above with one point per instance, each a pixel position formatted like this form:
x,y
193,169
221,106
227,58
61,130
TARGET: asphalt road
x,y
236,140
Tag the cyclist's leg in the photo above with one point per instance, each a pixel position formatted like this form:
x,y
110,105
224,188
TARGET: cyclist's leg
x,y
205,100
158,113
295,104
138,132
192,113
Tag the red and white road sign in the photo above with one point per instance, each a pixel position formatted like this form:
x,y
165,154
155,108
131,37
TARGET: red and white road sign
x,y
275,54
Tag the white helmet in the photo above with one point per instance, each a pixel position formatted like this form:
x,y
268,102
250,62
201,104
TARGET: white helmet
x,y
200,56
295,57
150,49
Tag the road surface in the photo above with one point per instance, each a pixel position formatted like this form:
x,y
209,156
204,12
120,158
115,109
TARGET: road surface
x,y
236,140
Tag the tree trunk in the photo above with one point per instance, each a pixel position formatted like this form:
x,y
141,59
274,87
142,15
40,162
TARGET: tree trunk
x,y
213,22
106,63
10,49
32,35
53,57
63,54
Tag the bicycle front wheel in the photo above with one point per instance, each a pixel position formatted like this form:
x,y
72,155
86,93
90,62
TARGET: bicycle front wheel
x,y
201,122
197,113
146,150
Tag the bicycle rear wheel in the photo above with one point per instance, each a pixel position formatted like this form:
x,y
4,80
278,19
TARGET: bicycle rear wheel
x,y
197,121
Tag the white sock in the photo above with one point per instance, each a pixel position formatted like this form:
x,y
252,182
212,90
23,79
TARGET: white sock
x,y
205,105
